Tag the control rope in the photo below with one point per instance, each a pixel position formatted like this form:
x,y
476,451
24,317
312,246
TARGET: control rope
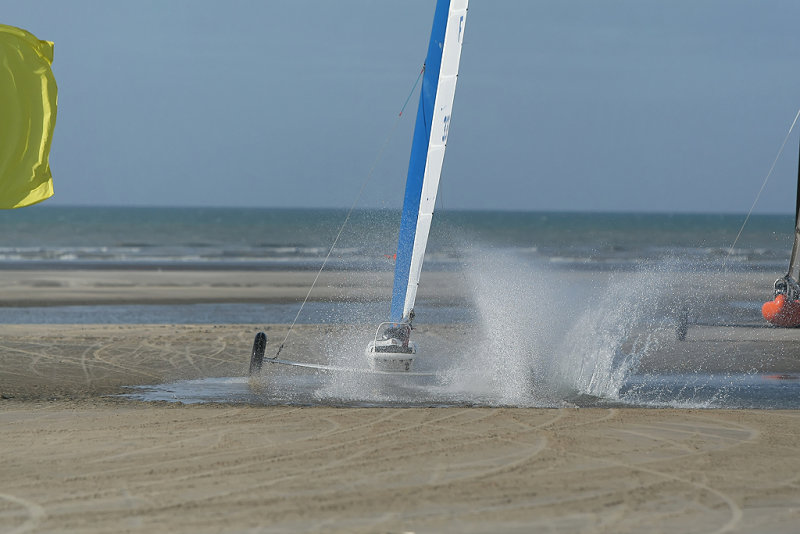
x,y
763,185
350,212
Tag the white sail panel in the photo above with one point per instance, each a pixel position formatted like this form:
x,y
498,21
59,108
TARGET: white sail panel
x,y
440,125
430,187
455,34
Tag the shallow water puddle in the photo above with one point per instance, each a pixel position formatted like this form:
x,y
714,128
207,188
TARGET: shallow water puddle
x,y
303,389
691,391
732,391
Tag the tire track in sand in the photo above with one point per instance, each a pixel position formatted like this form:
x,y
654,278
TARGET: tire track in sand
x,y
735,510
35,513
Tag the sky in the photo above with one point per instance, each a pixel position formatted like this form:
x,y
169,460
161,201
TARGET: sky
x,y
587,105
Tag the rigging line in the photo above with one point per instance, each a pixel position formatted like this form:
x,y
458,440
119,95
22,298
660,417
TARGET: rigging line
x,y
763,185
350,212
411,93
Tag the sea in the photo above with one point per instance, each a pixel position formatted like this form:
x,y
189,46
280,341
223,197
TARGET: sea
x,y
55,237
263,239
506,245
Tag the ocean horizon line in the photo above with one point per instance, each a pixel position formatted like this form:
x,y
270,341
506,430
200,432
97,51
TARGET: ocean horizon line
x,y
332,209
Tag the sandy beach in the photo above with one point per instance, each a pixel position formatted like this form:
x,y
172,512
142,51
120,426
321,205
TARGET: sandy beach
x,y
76,458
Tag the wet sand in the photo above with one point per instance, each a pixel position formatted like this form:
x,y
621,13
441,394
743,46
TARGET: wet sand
x,y
76,287
124,286
76,459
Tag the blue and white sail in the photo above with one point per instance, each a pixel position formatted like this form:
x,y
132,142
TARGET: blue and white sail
x,y
427,152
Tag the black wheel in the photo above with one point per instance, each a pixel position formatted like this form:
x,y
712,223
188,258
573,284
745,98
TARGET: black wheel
x,y
257,358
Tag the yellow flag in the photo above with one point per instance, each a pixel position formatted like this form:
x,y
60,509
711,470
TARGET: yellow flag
x,y
28,97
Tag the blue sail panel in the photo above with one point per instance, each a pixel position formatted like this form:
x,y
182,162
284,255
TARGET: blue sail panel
x,y
419,156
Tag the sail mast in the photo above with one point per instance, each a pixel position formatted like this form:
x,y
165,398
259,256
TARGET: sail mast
x,y
795,246
427,152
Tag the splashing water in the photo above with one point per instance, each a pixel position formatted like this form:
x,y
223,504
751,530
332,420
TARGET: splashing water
x,y
536,341
346,349
500,360
540,341
539,337
610,336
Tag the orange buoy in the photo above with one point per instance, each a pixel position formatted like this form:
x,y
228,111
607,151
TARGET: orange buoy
x,y
782,312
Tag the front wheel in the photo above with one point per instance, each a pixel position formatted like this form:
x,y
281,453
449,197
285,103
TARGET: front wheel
x,y
257,358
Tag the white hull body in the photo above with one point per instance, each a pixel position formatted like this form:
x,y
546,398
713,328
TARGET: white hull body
x,y
390,361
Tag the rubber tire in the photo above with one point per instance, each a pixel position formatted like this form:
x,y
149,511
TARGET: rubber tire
x,y
257,358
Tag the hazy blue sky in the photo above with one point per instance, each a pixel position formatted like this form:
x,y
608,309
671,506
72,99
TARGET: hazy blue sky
x,y
636,105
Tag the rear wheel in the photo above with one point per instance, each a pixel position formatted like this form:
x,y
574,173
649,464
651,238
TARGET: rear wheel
x,y
257,358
